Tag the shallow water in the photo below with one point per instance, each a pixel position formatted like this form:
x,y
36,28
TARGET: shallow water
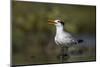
x,y
85,51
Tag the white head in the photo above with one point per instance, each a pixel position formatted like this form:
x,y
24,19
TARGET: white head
x,y
56,22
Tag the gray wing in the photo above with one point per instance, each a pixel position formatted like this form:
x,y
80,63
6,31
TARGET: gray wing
x,y
70,38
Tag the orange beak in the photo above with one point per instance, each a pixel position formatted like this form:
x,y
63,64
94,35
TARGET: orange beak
x,y
51,22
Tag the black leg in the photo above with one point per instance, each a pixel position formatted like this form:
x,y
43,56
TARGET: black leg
x,y
64,54
60,56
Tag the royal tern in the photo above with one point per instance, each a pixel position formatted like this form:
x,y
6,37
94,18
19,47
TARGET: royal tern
x,y
63,38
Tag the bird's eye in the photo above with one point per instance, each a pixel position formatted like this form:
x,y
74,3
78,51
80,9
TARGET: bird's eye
x,y
58,21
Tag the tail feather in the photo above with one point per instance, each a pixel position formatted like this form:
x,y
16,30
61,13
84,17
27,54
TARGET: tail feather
x,y
80,41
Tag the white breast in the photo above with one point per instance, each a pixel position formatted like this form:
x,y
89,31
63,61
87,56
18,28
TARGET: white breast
x,y
64,39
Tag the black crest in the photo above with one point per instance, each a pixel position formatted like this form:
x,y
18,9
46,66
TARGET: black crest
x,y
62,22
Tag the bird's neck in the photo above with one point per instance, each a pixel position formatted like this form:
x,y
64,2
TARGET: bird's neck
x,y
59,29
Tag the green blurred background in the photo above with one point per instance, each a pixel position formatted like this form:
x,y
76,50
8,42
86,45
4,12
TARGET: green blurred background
x,y
32,37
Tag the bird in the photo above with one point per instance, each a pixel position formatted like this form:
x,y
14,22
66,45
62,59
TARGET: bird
x,y
62,37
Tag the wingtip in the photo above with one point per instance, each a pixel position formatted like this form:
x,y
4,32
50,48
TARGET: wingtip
x,y
80,41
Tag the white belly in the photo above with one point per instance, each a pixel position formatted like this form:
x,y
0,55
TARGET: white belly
x,y
61,40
